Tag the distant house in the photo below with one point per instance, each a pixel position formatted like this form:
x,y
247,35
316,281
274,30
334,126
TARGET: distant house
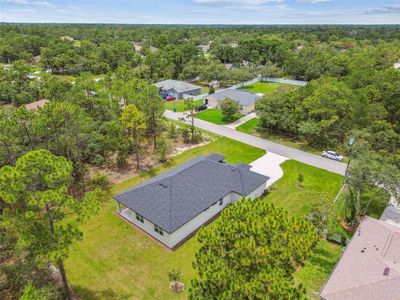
x,y
246,99
137,46
67,38
178,89
228,66
37,104
172,206
369,268
204,48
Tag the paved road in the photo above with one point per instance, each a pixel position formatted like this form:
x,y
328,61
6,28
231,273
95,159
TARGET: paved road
x,y
301,156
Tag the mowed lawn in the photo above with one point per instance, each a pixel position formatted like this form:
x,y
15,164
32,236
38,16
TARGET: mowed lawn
x,y
299,202
117,261
179,104
267,87
215,116
251,127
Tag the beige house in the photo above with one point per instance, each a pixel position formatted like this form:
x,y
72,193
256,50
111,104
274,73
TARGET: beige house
x,y
369,268
246,99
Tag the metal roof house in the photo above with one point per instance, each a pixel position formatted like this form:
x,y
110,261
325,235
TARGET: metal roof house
x,y
172,206
246,99
369,268
178,89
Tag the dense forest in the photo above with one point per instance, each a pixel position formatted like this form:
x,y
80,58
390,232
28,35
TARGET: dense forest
x,y
103,108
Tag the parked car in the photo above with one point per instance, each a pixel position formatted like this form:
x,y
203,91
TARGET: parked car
x,y
201,107
332,155
170,98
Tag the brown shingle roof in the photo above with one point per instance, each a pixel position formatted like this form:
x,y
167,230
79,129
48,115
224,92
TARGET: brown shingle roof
x,y
359,273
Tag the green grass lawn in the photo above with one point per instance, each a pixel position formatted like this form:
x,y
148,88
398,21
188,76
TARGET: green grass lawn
x,y
179,104
298,201
318,267
268,87
251,127
117,261
215,116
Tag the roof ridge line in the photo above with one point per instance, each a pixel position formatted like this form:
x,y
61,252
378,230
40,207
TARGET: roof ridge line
x,y
365,284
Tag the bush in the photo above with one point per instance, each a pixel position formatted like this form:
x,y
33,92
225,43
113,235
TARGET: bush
x,y
100,181
163,148
172,131
229,108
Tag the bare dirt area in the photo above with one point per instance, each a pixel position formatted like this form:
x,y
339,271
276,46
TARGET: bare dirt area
x,y
148,160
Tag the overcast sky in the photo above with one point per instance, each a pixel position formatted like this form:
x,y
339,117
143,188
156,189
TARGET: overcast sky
x,y
202,11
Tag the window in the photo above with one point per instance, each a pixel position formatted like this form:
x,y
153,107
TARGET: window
x,y
158,230
139,218
221,201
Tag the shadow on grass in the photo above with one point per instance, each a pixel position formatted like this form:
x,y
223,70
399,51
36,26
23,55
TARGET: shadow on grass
x,y
109,294
322,260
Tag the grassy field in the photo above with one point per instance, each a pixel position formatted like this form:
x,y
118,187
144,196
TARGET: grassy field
x,y
215,116
318,267
179,104
299,202
116,261
251,127
267,88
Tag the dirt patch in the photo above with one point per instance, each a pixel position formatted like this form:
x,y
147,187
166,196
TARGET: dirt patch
x,y
148,160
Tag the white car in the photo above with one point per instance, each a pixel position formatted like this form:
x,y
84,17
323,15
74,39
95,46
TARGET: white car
x,y
332,155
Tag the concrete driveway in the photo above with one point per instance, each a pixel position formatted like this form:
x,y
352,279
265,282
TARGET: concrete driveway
x,y
289,152
269,165
242,120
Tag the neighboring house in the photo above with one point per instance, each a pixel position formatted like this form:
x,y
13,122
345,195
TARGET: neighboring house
x,y
137,46
172,206
246,99
178,89
36,105
369,268
228,66
204,48
67,38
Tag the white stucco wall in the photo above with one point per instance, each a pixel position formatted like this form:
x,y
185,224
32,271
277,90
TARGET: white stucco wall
x,y
247,109
147,226
173,239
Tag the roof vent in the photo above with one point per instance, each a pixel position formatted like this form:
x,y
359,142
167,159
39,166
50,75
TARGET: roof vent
x,y
386,271
164,185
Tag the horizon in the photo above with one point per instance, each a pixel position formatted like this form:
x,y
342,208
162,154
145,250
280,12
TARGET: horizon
x,y
202,12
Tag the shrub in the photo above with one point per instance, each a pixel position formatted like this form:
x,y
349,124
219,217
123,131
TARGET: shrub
x,y
100,181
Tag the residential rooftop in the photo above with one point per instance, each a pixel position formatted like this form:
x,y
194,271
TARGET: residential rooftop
x,y
244,98
369,269
175,197
176,85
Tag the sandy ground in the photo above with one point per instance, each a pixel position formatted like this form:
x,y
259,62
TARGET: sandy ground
x,y
147,162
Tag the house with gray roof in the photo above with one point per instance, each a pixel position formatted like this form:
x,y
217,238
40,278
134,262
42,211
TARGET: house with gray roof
x,y
178,89
369,268
246,99
172,206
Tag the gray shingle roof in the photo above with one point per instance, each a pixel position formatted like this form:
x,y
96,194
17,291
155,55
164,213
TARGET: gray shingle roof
x,y
244,98
175,197
176,85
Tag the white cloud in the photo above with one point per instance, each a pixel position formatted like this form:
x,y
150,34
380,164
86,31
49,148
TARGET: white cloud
x,y
237,2
314,1
31,3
